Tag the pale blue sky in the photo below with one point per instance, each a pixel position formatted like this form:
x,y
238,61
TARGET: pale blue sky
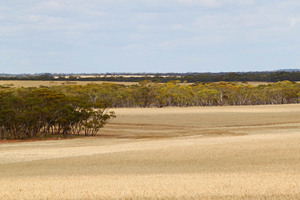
x,y
98,36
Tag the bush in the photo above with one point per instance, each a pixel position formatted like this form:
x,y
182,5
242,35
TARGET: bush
x,y
36,112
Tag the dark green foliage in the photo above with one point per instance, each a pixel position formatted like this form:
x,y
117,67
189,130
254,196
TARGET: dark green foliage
x,y
31,113
272,76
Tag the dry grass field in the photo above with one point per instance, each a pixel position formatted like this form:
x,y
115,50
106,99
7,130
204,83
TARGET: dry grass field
x,y
52,83
238,152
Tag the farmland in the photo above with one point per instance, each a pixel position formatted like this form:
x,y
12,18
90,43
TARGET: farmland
x,y
16,83
230,152
29,83
149,100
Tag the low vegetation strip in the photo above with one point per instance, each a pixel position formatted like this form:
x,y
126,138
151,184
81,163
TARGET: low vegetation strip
x,y
271,76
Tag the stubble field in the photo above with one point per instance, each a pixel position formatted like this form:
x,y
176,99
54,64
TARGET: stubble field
x,y
237,152
30,83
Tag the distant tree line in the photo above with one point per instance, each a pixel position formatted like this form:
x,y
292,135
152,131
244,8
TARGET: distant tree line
x,y
164,78
174,93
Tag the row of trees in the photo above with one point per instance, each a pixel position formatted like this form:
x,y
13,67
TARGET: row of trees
x,y
149,94
38,112
272,76
82,109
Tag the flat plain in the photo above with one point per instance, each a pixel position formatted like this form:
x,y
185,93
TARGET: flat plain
x,y
232,152
30,83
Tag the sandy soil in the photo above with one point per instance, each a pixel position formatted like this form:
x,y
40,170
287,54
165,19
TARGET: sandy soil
x,y
244,152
